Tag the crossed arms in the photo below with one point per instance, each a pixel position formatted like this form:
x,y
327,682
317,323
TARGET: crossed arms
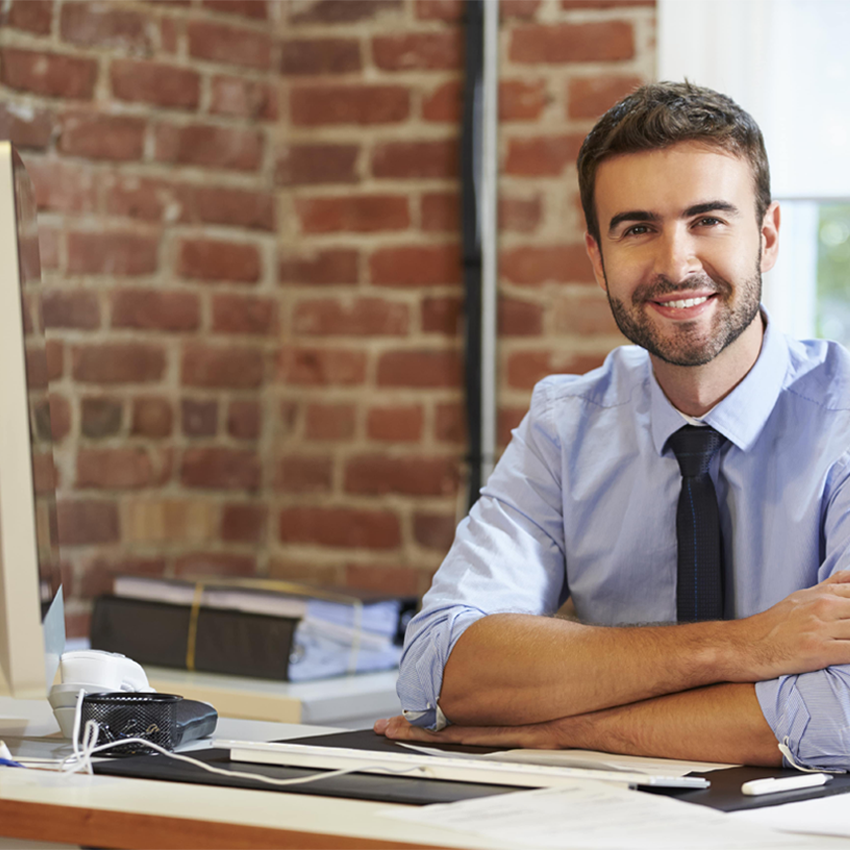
x,y
684,691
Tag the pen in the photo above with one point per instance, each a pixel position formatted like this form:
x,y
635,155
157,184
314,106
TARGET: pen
x,y
773,785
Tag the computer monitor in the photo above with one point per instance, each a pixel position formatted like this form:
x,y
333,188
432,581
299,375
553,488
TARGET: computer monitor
x,y
32,621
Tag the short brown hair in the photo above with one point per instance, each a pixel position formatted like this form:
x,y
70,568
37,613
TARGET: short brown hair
x,y
659,115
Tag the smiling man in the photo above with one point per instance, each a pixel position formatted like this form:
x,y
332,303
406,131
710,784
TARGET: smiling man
x,y
689,500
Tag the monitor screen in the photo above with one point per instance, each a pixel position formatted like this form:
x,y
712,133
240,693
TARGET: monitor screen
x,y
32,626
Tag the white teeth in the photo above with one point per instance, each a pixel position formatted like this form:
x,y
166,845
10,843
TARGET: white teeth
x,y
686,302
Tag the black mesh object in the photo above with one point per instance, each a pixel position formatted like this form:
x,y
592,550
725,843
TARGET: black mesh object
x,y
121,715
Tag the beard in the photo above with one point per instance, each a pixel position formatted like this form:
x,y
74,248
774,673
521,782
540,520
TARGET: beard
x,y
686,344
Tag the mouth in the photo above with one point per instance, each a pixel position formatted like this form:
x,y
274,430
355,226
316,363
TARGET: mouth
x,y
682,303
683,308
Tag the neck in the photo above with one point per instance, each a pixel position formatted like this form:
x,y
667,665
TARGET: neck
x,y
694,390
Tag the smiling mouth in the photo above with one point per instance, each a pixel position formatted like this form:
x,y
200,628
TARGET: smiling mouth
x,y
683,303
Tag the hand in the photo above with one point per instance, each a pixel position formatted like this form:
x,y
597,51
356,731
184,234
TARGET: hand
x,y
537,736
808,630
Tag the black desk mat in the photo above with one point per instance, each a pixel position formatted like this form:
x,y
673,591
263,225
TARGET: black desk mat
x,y
724,793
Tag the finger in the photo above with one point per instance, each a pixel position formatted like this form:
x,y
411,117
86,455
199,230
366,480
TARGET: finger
x,y
840,577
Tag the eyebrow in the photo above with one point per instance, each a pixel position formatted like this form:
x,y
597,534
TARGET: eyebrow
x,y
696,209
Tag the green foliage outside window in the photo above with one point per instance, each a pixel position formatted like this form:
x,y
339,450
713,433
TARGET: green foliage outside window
x,y
833,294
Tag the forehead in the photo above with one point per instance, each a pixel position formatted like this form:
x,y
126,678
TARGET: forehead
x,y
672,179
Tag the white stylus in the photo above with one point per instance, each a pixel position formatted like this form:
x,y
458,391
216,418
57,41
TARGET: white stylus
x,y
773,785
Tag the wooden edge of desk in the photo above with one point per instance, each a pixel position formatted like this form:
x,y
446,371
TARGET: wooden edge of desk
x,y
133,831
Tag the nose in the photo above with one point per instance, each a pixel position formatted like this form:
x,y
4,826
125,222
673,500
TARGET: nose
x,y
675,255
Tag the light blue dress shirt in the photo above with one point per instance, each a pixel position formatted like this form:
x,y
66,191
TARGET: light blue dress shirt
x,y
583,505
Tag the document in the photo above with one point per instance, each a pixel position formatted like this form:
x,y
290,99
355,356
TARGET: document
x,y
597,816
821,816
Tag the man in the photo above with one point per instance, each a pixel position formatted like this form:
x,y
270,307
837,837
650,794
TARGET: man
x,y
583,505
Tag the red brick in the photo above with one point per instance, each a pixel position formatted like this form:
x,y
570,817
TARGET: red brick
x,y
416,265
26,126
152,417
244,419
332,266
208,259
99,576
589,97
526,368
255,99
521,215
420,369
241,523
60,417
50,74
255,9
65,308
235,207
602,41
218,468
104,25
507,419
342,11
434,531
445,103
569,5
55,352
116,137
440,212
48,246
442,10
155,309
541,156
298,473
62,186
417,159
340,527
420,51
199,417
225,367
155,83
112,253
229,45
377,475
314,105
518,8
322,366
520,100
244,314
394,581
353,213
450,423
35,16
399,423
587,315
442,315
149,199
305,571
36,369
113,469
344,317
210,147
85,522
519,318
302,56
168,35
118,363
101,417
535,264
215,564
300,165
329,421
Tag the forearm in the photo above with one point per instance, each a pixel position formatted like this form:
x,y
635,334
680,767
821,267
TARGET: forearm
x,y
720,723
517,669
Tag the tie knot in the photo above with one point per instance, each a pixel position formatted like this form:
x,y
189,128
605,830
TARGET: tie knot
x,y
694,446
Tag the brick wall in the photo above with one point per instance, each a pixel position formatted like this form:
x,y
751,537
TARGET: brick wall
x,y
249,216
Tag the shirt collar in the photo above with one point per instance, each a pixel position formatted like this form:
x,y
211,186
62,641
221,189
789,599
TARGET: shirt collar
x,y
741,415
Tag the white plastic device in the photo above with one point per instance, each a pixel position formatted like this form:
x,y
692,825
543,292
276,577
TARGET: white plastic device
x,y
94,672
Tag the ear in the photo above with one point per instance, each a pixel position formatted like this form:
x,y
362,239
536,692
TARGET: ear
x,y
770,237
595,255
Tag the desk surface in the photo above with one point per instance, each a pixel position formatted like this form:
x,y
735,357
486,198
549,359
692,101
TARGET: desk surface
x,y
133,813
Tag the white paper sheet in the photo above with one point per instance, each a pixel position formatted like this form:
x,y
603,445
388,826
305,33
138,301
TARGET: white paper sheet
x,y
597,816
821,816
588,759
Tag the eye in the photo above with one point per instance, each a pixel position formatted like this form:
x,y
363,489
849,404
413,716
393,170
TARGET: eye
x,y
636,230
707,221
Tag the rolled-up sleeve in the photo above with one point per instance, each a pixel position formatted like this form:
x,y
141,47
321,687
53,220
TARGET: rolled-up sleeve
x,y
507,556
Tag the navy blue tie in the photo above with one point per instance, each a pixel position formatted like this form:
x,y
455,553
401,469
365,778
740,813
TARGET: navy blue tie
x,y
699,588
